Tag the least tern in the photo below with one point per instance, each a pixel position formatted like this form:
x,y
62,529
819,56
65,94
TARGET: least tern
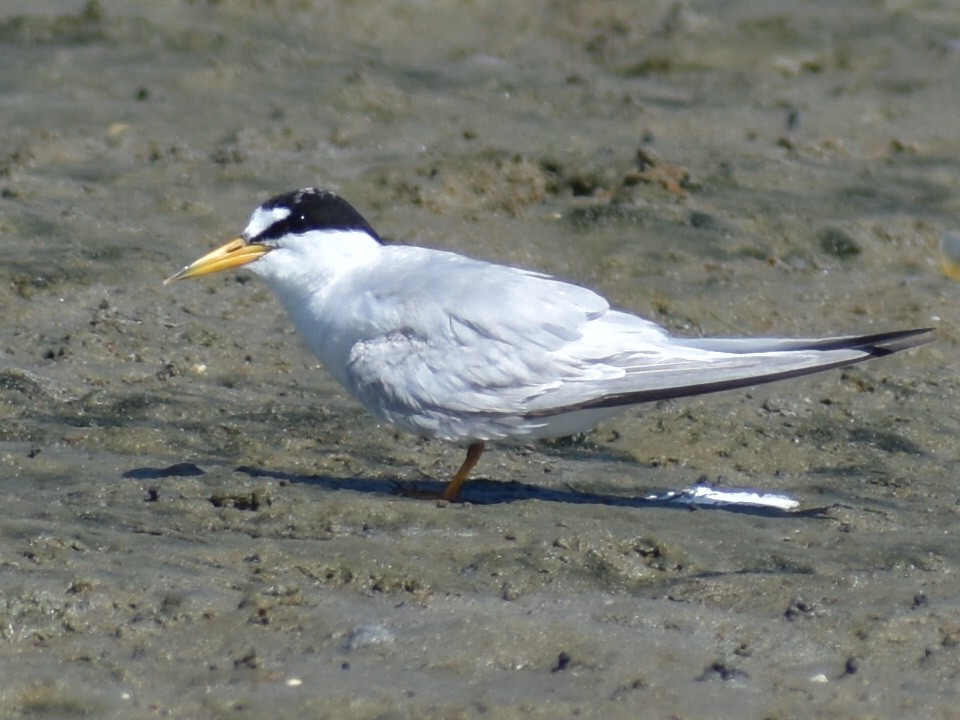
x,y
445,346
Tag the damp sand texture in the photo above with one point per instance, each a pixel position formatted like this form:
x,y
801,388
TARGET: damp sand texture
x,y
199,523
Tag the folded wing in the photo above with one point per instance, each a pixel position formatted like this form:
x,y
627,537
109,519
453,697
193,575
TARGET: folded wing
x,y
483,349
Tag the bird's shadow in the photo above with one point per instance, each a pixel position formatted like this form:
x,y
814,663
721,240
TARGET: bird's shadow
x,y
478,491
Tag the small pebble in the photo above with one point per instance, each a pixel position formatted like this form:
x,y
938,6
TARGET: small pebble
x,y
950,254
563,662
367,635
509,593
838,243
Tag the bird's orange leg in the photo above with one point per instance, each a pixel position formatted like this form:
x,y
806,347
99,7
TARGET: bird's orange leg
x,y
452,491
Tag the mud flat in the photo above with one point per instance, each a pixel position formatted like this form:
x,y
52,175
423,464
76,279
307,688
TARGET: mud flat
x,y
198,523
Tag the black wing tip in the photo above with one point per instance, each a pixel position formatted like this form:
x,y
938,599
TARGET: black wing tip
x,y
874,345
888,343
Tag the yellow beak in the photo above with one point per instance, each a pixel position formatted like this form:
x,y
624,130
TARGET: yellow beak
x,y
232,254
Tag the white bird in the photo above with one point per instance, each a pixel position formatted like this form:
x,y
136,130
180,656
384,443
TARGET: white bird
x,y
469,351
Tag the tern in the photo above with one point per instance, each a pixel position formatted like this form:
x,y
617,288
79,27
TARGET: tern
x,y
450,347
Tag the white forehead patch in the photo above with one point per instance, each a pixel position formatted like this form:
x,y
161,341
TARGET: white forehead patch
x,y
264,218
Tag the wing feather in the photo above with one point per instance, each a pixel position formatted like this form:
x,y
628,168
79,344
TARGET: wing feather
x,y
465,349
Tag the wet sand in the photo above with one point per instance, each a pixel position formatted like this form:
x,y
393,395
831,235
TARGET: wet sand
x,y
199,523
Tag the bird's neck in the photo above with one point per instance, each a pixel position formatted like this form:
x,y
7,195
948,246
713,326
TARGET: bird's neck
x,y
302,273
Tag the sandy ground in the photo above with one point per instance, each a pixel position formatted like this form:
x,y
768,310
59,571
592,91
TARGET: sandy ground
x,y
198,523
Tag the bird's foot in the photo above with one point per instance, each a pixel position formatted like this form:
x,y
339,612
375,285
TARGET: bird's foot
x,y
451,492
411,491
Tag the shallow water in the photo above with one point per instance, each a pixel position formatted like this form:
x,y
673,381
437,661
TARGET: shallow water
x,y
199,523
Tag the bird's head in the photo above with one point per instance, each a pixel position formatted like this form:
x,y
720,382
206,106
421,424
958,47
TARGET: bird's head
x,y
286,236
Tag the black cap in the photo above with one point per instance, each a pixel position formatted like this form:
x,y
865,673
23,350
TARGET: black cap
x,y
313,209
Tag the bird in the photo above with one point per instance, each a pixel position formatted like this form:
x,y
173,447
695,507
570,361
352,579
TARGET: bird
x,y
447,346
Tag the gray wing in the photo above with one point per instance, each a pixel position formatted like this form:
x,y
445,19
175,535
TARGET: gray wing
x,y
728,363
463,341
467,343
